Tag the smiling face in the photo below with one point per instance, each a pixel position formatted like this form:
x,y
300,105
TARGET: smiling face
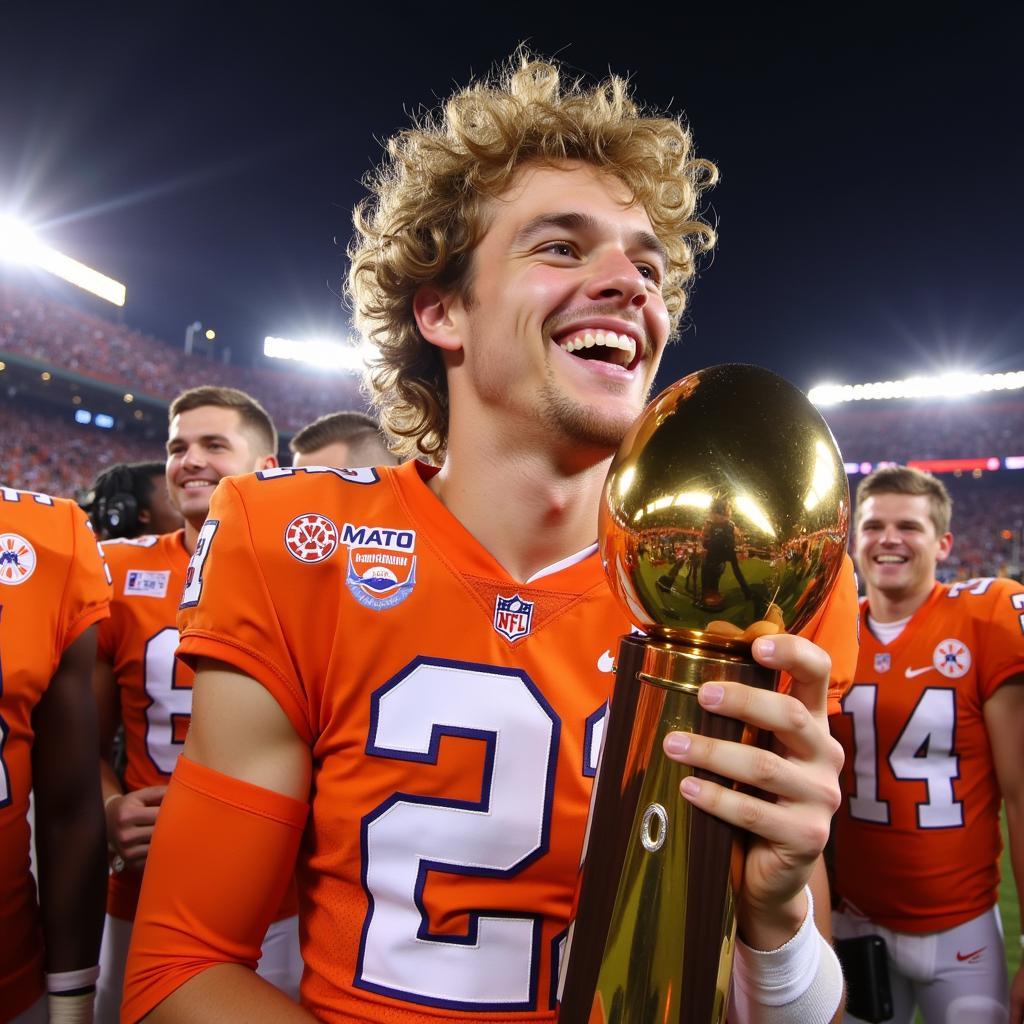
x,y
565,325
898,548
203,445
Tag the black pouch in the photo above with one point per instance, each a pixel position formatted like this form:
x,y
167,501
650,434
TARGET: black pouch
x,y
866,967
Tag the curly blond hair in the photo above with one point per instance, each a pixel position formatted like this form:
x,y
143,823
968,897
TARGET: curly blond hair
x,y
428,206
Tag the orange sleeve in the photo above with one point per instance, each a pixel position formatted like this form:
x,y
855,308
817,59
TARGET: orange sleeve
x,y
222,858
87,597
217,620
835,628
1002,654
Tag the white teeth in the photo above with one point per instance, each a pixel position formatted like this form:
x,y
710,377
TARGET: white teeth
x,y
605,339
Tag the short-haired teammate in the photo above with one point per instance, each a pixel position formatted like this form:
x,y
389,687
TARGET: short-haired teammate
x,y
213,432
933,730
365,699
341,439
54,588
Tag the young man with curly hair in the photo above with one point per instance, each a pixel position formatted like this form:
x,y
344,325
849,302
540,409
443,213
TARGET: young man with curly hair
x,y
363,707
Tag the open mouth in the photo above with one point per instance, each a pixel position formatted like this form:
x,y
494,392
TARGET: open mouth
x,y
602,345
890,559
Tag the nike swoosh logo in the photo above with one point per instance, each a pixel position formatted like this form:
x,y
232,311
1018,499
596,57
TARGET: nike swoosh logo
x,y
911,672
606,663
970,956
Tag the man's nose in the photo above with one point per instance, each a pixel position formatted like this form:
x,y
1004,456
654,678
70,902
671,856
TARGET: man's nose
x,y
617,277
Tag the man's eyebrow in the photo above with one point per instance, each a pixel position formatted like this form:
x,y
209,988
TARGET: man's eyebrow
x,y
205,439
572,221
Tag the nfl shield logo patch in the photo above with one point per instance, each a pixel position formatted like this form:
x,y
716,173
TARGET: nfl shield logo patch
x,y
513,617
882,662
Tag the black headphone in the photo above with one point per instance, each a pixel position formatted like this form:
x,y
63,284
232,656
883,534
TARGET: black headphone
x,y
114,503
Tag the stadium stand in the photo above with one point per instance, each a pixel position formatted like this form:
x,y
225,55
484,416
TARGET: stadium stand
x,y
46,451
978,427
62,337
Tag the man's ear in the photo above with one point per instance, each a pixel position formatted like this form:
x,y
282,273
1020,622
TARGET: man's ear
x,y
945,547
266,462
437,317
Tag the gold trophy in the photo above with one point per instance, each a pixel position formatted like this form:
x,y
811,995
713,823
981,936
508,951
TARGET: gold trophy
x,y
724,517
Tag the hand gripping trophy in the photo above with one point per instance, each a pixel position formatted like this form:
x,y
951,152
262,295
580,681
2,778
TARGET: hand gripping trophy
x,y
724,518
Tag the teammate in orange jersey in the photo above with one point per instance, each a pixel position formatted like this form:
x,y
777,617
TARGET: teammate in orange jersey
x,y
214,432
404,669
934,736
54,588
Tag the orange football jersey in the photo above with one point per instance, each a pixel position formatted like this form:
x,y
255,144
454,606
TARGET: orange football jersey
x,y
917,836
454,716
53,586
154,688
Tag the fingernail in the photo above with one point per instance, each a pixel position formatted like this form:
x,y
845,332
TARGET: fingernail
x,y
765,647
711,694
690,786
677,743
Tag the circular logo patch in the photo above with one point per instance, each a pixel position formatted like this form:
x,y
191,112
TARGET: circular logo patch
x,y
311,538
952,658
17,559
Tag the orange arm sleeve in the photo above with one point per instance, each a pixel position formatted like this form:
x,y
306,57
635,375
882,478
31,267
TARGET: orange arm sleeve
x,y
222,858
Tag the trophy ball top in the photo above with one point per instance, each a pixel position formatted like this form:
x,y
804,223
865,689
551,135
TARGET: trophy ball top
x,y
726,507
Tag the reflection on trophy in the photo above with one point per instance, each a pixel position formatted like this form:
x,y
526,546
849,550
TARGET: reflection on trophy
x,y
724,518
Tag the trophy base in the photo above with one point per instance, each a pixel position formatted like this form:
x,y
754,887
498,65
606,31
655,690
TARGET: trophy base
x,y
654,935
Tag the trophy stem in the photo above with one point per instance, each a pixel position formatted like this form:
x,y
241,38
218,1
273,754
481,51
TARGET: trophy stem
x,y
655,927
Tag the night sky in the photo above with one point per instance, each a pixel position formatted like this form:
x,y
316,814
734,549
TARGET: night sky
x,y
870,210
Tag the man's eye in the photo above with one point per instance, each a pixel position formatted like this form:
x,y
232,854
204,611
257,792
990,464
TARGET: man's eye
x,y
651,273
559,249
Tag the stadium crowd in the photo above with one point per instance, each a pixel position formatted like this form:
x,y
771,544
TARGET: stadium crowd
x,y
980,427
45,452
63,337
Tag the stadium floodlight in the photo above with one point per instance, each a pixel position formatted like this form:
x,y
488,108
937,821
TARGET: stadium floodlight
x,y
352,356
19,245
957,384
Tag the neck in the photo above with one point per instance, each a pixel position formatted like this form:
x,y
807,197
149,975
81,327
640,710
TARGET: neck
x,y
891,607
527,509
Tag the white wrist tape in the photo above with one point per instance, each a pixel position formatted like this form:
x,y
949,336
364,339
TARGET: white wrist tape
x,y
799,982
70,1009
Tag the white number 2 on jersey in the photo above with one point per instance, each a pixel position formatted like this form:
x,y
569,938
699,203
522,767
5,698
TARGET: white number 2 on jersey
x,y
493,967
923,751
168,704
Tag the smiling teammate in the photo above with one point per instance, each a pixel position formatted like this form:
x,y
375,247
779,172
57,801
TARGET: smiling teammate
x,y
934,733
213,432
402,668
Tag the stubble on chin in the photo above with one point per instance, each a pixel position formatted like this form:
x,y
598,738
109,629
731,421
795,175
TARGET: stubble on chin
x,y
581,424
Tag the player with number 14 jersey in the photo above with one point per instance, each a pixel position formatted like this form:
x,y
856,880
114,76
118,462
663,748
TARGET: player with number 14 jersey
x,y
920,787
